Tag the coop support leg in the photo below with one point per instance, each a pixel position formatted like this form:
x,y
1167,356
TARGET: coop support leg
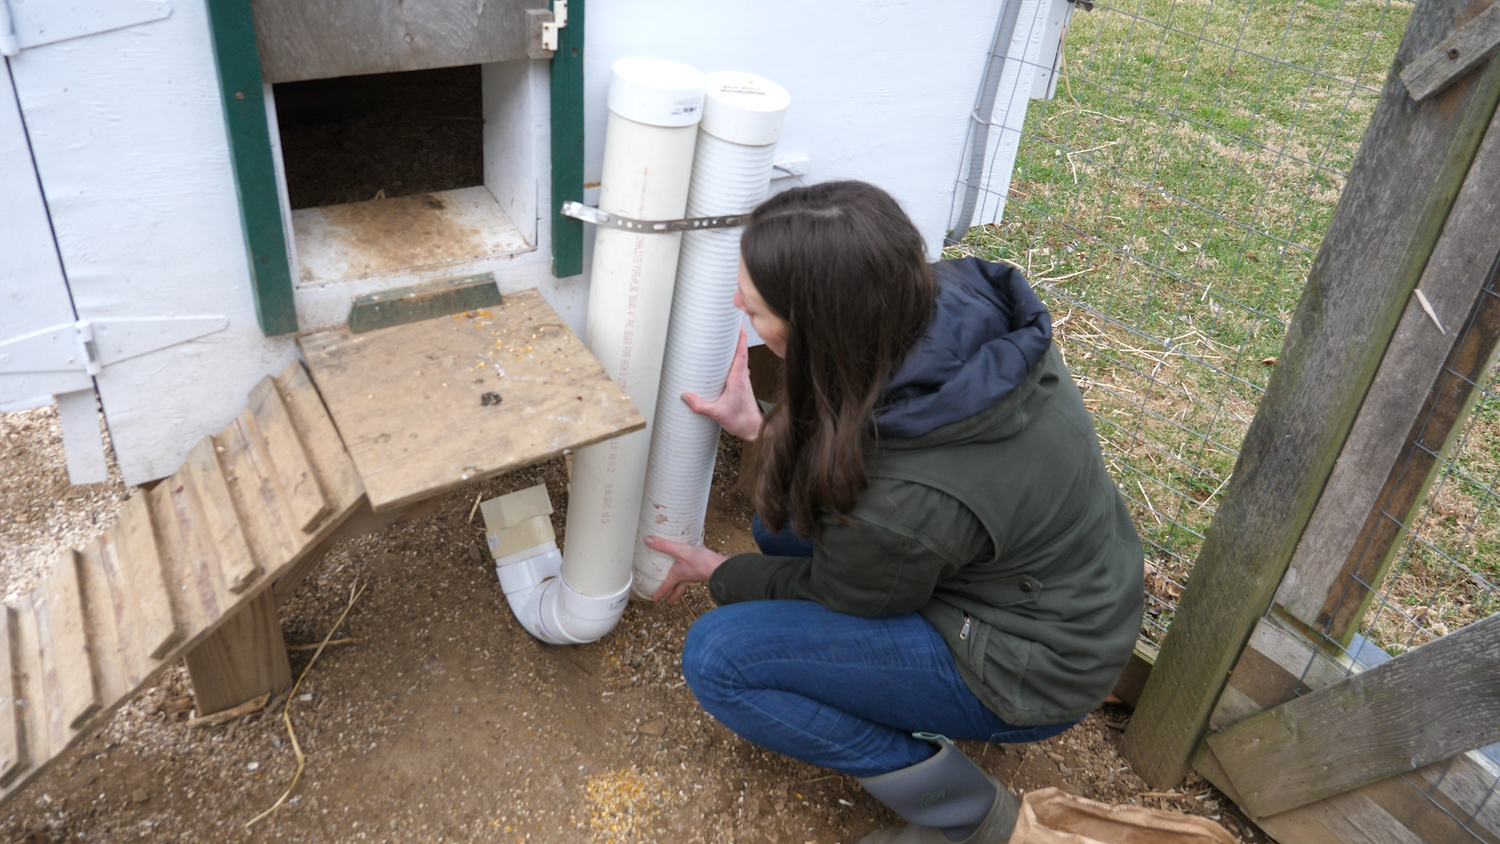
x,y
241,660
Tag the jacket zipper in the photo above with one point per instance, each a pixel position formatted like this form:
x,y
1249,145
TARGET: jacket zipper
x,y
963,633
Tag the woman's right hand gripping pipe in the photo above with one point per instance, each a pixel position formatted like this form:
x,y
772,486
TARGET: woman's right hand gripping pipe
x,y
735,409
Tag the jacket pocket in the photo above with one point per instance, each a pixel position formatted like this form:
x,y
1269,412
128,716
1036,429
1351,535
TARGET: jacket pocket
x,y
977,639
1020,590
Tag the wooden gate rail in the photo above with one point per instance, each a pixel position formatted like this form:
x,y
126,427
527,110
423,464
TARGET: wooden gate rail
x,y
1421,707
1424,805
1409,169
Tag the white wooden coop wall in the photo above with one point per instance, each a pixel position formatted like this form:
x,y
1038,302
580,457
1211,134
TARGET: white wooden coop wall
x,y
130,151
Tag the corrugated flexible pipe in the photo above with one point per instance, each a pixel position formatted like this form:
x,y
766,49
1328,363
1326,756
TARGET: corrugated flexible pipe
x,y
742,120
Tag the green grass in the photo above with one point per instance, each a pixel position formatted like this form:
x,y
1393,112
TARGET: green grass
x,y
1168,204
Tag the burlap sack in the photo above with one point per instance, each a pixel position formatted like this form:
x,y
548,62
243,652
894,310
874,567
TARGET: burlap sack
x,y
1052,816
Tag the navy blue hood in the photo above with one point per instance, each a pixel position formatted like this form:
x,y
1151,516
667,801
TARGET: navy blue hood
x,y
988,330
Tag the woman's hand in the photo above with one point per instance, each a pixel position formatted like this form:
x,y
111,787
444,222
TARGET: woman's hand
x,y
690,564
735,410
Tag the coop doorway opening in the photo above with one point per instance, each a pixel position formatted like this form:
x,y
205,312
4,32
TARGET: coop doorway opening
x,y
418,173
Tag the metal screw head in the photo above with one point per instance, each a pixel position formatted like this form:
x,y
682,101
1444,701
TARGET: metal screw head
x,y
239,95
1452,52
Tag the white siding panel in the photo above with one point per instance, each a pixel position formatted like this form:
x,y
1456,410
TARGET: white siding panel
x,y
130,143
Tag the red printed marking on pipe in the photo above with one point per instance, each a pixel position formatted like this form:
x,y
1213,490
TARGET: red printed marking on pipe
x,y
627,340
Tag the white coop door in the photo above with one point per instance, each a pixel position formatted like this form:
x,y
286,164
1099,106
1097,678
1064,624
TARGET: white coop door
x,y
40,356
122,264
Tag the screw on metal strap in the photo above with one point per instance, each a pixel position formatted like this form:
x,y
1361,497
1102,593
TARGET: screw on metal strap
x,y
590,214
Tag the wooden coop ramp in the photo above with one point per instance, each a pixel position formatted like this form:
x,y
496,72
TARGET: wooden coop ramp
x,y
188,568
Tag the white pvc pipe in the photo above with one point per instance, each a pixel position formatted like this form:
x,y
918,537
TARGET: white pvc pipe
x,y
655,106
742,122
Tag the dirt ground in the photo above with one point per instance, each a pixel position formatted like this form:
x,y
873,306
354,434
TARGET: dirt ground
x,y
443,721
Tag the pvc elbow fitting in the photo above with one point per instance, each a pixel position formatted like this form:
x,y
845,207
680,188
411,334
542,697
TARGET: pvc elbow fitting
x,y
530,570
547,607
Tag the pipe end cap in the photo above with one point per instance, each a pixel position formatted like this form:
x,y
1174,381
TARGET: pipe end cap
x,y
656,92
743,108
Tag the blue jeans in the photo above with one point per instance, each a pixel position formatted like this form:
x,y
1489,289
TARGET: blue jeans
x,y
782,543
836,690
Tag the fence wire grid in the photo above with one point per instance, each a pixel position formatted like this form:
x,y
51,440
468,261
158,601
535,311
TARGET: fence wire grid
x,y
1167,204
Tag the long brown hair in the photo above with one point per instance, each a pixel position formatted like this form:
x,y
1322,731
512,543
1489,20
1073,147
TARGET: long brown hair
x,y
844,267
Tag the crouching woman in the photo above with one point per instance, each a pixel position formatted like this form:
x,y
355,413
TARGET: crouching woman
x,y
944,554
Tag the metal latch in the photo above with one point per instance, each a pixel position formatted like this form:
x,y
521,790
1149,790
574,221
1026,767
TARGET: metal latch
x,y
90,345
550,28
590,214
33,24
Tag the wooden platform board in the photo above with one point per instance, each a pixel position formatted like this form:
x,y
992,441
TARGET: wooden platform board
x,y
426,407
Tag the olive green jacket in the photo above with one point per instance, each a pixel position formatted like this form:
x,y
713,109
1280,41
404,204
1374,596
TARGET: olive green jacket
x,y
1005,531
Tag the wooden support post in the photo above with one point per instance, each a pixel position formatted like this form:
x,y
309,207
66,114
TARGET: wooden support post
x,y
1416,405
1409,169
244,658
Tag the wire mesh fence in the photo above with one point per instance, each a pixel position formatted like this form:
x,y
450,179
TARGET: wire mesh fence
x,y
1429,562
1440,572
1167,204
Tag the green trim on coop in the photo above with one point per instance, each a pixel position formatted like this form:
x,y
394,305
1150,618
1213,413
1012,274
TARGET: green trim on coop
x,y
232,27
567,143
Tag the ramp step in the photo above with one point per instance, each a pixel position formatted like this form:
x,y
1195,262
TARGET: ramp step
x,y
119,663
12,730
134,567
268,425
69,676
219,534
30,697
337,476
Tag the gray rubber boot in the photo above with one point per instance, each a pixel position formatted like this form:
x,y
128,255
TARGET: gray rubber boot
x,y
947,799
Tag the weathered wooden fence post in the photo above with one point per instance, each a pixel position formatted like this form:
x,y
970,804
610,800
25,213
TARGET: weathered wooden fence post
x,y
1414,158
1392,753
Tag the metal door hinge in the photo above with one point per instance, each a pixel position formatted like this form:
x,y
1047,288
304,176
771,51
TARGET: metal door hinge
x,y
32,23
545,24
550,29
88,346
